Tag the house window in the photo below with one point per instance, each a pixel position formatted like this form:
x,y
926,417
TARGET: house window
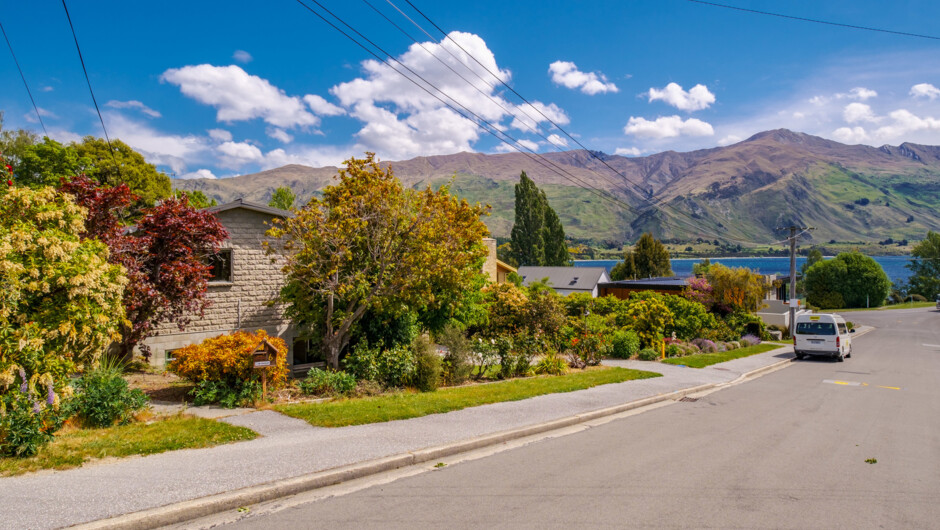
x,y
169,355
307,352
221,263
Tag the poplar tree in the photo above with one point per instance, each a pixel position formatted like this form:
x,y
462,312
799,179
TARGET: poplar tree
x,y
648,259
556,250
527,238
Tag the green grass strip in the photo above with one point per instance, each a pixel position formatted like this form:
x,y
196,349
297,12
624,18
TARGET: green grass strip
x,y
702,360
74,448
403,405
904,305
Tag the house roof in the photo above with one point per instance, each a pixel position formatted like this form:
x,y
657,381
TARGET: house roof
x,y
664,282
569,278
505,266
253,206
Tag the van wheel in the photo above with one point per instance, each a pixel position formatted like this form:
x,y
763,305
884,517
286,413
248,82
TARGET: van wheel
x,y
840,357
799,356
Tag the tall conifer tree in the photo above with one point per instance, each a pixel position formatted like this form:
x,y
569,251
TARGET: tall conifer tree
x,y
527,238
556,250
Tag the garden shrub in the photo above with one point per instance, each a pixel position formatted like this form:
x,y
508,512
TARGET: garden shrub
x,y
650,318
103,397
750,340
649,354
227,394
367,388
222,367
327,383
485,356
427,374
673,350
393,367
513,362
456,365
551,364
28,420
624,344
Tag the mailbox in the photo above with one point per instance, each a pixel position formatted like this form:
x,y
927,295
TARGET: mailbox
x,y
265,355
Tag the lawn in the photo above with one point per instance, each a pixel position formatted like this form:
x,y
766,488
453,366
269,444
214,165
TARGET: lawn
x,y
702,360
73,447
905,305
403,405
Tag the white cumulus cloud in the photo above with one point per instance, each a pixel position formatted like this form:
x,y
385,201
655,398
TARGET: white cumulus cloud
x,y
239,96
697,98
237,154
242,56
527,117
628,151
198,174
856,112
925,90
730,139
566,74
220,134
558,141
667,127
322,107
279,135
850,135
861,93
157,147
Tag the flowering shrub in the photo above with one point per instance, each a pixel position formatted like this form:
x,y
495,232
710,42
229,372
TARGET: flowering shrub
x,y
750,340
650,318
227,359
30,412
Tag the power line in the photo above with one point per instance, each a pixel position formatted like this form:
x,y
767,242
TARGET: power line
x,y
23,77
88,80
816,21
483,123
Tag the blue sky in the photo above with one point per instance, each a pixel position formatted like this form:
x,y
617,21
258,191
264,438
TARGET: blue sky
x,y
217,89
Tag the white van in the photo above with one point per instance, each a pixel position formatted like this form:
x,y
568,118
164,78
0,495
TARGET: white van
x,y
822,334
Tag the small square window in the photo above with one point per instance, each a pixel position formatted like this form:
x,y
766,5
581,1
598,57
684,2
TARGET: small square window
x,y
169,356
221,263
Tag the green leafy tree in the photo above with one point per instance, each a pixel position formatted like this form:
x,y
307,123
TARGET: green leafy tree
x,y
648,258
370,243
925,267
47,162
282,198
528,237
13,142
736,289
556,249
851,279
143,178
197,199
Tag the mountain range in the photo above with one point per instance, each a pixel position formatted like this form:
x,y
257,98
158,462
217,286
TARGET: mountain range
x,y
741,192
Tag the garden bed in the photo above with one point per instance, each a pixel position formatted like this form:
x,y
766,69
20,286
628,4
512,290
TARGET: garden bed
x,y
409,404
701,360
74,447
163,386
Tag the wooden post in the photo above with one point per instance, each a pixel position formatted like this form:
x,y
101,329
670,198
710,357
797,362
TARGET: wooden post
x,y
264,384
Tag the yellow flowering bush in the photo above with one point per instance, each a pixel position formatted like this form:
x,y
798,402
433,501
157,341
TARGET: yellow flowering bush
x,y
228,359
60,301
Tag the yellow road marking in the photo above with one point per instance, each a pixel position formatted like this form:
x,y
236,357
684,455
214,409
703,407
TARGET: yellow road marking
x,y
889,387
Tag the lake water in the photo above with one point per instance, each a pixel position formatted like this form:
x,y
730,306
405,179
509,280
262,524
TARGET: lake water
x,y
892,265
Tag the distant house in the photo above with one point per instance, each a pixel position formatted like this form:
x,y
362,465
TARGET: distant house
x,y
243,281
496,270
622,288
567,280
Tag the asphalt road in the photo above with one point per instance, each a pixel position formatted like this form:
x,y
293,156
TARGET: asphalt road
x,y
787,450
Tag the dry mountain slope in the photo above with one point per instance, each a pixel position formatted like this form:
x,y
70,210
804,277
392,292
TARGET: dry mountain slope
x,y
742,191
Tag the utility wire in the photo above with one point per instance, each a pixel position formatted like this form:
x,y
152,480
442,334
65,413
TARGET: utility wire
x,y
483,123
23,77
816,21
88,80
640,192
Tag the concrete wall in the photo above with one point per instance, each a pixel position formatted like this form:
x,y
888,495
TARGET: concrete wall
x,y
239,304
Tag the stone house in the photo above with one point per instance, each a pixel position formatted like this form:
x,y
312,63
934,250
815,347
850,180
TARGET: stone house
x,y
244,281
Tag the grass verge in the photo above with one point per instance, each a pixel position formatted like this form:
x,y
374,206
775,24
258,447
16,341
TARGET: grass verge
x,y
403,405
905,305
702,360
73,447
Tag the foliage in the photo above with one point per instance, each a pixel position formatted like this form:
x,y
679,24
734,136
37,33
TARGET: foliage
x,y
699,290
624,344
556,249
700,269
551,364
223,367
403,405
60,304
103,398
163,256
371,243
690,318
485,356
227,395
736,288
427,374
196,198
649,354
855,278
116,164
393,367
283,198
45,162
386,330
527,236
327,383
456,365
648,259
750,340
650,318
28,420
505,305
925,267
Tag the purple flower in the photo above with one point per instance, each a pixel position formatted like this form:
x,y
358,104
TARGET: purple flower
x,y
36,409
50,394
24,387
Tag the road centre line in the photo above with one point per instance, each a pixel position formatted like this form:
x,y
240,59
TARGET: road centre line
x,y
931,345
855,383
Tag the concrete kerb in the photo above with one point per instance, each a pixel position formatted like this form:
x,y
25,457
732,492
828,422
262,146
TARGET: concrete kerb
x,y
205,506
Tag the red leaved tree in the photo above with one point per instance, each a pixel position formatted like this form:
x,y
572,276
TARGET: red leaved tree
x,y
164,255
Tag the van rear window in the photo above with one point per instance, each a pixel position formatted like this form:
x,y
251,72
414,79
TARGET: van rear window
x,y
815,328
